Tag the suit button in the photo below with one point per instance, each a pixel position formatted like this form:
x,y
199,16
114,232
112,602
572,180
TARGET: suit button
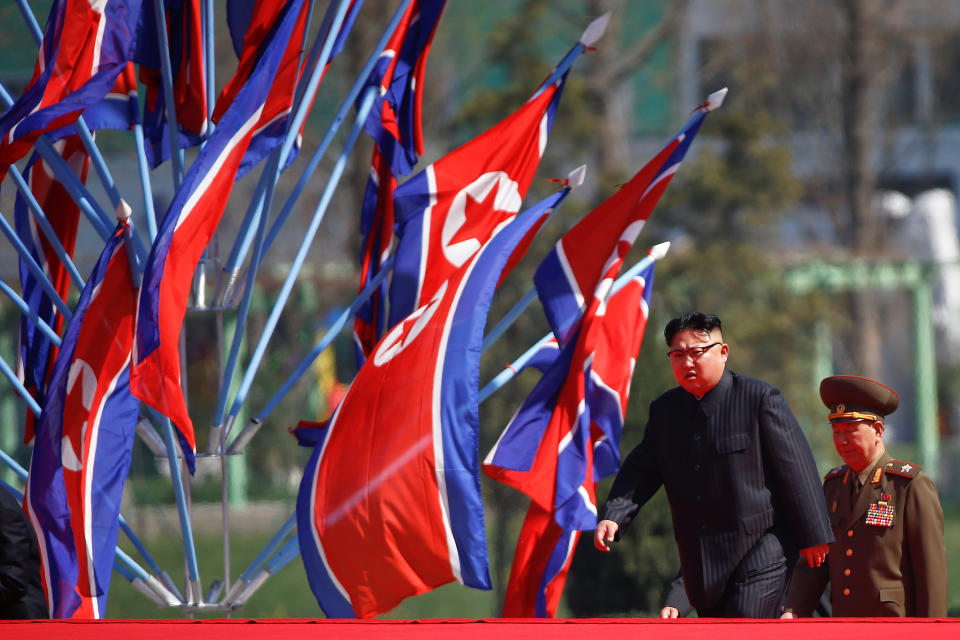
x,y
849,533
699,498
696,436
849,552
696,467
846,592
846,572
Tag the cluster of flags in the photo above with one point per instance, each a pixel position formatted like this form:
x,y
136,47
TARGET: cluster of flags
x,y
390,503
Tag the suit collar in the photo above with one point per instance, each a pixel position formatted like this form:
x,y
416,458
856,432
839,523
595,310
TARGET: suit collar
x,y
712,399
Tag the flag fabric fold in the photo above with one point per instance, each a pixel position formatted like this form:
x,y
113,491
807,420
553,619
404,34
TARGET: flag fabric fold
x,y
185,40
186,229
86,45
566,277
564,438
36,353
84,442
445,212
251,28
402,513
394,124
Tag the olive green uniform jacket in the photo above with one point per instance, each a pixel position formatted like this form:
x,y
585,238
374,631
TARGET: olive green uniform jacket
x,y
888,559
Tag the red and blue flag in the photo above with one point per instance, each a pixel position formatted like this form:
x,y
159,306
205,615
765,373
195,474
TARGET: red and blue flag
x,y
566,277
36,353
250,27
395,125
185,47
576,410
401,512
564,438
84,441
85,46
448,210
186,229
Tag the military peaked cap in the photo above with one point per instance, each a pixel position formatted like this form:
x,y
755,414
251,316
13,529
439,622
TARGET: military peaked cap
x,y
855,398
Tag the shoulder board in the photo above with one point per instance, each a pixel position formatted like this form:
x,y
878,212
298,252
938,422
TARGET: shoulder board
x,y
835,472
902,468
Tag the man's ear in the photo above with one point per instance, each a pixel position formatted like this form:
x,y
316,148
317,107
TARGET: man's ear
x,y
878,426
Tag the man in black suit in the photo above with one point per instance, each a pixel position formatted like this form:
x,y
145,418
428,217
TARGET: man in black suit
x,y
21,591
742,484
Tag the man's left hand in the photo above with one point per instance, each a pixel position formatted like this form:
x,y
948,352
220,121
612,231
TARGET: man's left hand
x,y
815,555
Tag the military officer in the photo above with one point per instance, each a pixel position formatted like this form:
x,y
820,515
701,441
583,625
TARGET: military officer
x,y
889,557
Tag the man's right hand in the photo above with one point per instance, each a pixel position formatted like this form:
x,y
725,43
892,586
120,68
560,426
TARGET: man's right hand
x,y
606,529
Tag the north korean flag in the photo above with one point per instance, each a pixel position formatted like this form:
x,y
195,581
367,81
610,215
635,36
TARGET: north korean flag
x,y
566,277
84,441
390,504
565,437
187,227
395,125
86,45
185,40
250,26
36,354
448,210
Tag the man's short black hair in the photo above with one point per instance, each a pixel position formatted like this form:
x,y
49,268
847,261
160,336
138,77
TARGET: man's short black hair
x,y
696,321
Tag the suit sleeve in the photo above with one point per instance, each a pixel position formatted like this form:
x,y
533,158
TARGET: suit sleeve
x,y
677,597
14,550
923,521
806,585
788,459
637,481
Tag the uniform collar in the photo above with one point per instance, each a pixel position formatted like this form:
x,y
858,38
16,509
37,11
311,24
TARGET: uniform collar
x,y
870,469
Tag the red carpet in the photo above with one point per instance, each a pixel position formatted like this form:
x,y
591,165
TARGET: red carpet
x,y
648,629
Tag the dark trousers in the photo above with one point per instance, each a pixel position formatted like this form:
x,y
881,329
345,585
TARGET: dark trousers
x,y
758,584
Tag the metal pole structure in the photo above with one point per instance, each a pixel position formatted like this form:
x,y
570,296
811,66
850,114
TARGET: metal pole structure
x,y
166,69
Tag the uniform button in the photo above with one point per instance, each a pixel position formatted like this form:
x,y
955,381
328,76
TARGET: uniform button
x,y
696,467
846,572
849,552
849,533
846,592
699,498
696,436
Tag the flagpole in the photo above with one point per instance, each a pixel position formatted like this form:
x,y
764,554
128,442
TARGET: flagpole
x,y
238,443
35,268
67,178
348,102
209,40
591,34
18,469
289,551
186,527
18,387
245,578
656,252
44,223
256,208
146,188
217,435
99,164
30,314
173,133
321,209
